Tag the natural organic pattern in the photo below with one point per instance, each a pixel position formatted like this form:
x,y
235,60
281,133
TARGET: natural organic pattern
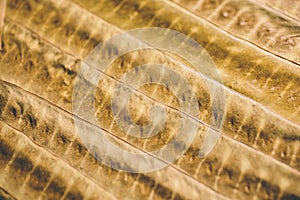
x,y
289,8
42,156
251,22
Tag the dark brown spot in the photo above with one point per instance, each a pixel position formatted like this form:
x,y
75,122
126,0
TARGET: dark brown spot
x,y
31,119
178,197
93,43
71,72
3,102
248,184
27,6
128,7
160,22
13,111
265,140
22,163
146,14
63,139
74,196
210,167
228,177
43,133
69,30
291,137
56,21
162,191
40,17
60,141
248,133
6,152
3,49
216,51
39,178
55,190
232,120
83,35
59,66
199,104
268,191
146,180
28,66
79,148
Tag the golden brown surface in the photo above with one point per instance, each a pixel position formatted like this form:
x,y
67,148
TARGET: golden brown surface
x,y
44,43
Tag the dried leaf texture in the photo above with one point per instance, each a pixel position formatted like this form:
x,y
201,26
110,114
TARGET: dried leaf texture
x,y
255,47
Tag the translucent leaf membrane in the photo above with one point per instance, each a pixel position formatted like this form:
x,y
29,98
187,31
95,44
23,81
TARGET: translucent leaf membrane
x,y
245,123
52,128
27,169
278,93
252,22
261,76
256,157
289,8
